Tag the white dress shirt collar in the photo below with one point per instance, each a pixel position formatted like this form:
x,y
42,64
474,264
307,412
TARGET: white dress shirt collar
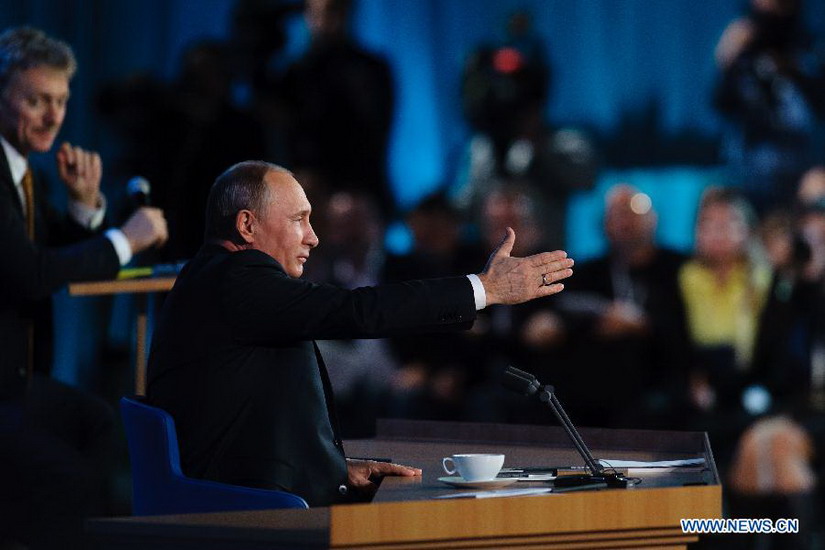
x,y
18,164
92,218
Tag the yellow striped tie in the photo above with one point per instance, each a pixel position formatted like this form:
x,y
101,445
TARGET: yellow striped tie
x,y
28,192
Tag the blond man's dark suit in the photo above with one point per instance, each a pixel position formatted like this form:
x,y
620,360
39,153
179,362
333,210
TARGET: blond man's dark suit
x,y
30,271
54,439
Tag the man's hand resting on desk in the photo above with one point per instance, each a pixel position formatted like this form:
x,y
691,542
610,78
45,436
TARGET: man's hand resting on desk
x,y
362,473
511,280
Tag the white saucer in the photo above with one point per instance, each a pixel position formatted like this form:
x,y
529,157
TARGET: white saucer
x,y
457,481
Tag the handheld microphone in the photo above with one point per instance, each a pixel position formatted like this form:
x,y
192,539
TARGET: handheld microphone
x,y
139,189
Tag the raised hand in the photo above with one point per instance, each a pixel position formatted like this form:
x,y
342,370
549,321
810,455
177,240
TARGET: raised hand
x,y
511,280
81,171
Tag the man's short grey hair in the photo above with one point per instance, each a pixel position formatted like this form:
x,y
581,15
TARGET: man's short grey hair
x,y
241,187
23,48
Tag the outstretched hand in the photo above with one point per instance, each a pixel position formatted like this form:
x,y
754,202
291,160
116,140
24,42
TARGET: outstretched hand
x,y
511,280
362,474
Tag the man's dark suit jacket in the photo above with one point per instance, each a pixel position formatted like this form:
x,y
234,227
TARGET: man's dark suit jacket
x,y
234,361
53,438
31,271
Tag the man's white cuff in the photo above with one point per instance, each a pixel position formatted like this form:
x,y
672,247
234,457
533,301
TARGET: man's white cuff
x,y
479,295
90,218
121,244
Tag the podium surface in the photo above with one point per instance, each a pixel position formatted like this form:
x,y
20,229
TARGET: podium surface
x,y
405,513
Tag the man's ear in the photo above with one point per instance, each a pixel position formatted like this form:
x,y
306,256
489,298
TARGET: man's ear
x,y
245,225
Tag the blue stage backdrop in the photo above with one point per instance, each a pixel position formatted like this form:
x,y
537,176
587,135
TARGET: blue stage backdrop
x,y
616,63
629,71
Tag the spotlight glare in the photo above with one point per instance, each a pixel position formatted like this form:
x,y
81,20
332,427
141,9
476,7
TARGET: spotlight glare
x,y
640,204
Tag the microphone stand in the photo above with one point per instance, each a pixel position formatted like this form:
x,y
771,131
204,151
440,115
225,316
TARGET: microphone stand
x,y
527,384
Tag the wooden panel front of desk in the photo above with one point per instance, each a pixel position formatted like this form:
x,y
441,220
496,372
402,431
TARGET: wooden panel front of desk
x,y
594,519
405,515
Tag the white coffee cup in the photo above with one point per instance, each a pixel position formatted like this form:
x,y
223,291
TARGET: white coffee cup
x,y
474,467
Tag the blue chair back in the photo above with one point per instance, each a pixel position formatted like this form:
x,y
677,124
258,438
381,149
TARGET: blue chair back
x,y
159,486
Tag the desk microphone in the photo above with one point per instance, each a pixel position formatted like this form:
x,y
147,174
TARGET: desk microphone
x,y
139,189
527,385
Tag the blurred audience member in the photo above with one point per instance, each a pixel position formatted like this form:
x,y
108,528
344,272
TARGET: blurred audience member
x,y
790,354
504,93
772,474
783,352
626,322
438,245
812,186
528,335
780,380
772,477
211,134
256,49
811,202
770,88
256,46
432,380
353,253
340,99
181,137
724,287
352,256
789,359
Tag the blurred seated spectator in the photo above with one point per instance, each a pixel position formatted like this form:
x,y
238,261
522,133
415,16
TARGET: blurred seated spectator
x,y
773,474
812,198
811,220
438,247
811,186
772,477
789,359
626,323
786,339
527,335
432,379
352,256
724,287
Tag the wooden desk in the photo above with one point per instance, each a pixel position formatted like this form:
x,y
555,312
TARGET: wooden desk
x,y
142,288
404,515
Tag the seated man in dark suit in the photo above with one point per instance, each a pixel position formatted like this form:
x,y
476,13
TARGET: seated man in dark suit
x,y
51,435
234,359
625,320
